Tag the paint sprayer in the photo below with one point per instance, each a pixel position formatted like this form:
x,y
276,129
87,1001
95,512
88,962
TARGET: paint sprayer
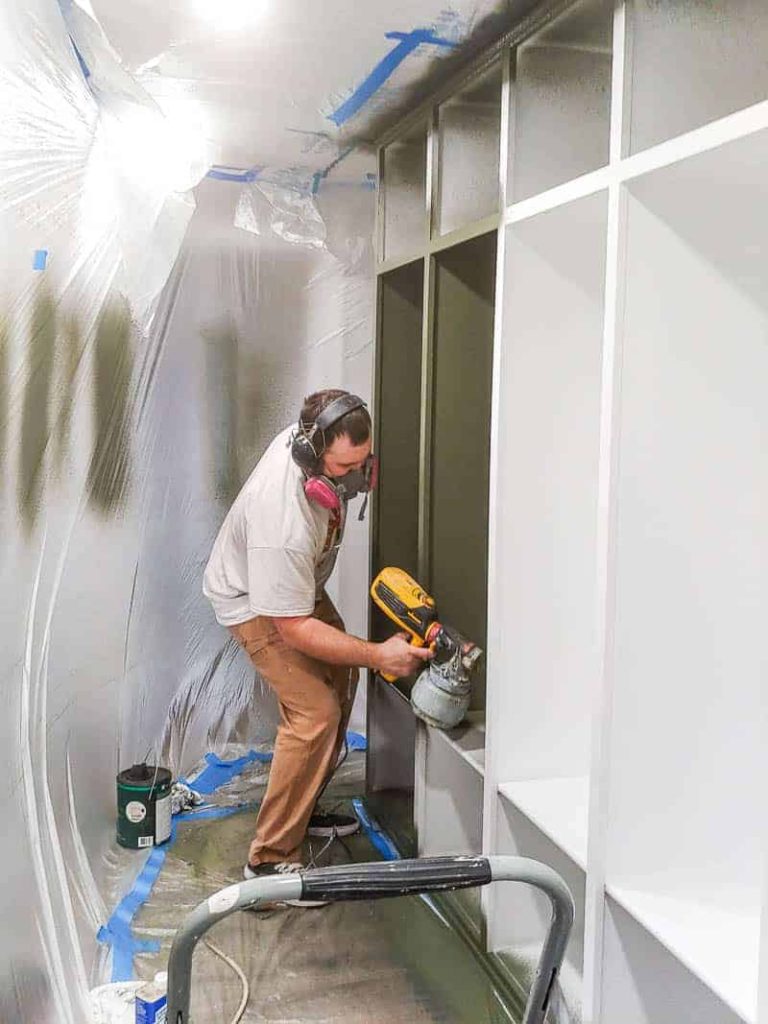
x,y
440,696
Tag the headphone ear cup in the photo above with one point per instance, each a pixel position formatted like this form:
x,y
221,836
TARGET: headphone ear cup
x,y
303,453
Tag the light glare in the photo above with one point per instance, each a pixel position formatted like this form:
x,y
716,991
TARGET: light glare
x,y
229,15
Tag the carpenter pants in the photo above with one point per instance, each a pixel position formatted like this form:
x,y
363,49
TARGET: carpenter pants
x,y
315,702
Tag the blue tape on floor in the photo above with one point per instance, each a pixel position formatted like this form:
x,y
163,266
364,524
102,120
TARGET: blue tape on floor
x,y
356,741
407,43
117,932
375,833
219,772
40,259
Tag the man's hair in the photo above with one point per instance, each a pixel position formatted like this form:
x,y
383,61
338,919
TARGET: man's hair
x,y
356,424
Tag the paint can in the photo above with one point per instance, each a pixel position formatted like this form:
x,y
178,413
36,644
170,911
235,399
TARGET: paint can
x,y
143,806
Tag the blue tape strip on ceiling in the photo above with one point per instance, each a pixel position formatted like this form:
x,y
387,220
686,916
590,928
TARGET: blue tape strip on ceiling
x,y
408,42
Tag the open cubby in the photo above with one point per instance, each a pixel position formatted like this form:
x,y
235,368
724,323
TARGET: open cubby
x,y
396,535
468,160
464,289
645,985
692,62
405,190
521,914
548,464
688,735
561,100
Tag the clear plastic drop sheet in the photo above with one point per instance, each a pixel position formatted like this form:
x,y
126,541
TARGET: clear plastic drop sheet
x,y
156,330
148,352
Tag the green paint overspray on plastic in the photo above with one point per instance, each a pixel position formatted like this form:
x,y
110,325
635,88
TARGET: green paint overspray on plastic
x,y
36,413
70,352
109,471
222,347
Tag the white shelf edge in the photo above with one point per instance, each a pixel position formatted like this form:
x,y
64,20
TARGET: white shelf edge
x,y
630,900
560,195
526,797
471,755
711,136
739,125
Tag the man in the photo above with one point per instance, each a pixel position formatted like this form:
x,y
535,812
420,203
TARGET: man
x,y
265,579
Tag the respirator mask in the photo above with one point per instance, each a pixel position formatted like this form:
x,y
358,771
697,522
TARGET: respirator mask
x,y
307,448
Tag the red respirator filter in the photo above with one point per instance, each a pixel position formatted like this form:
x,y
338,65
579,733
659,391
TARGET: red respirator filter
x,y
322,492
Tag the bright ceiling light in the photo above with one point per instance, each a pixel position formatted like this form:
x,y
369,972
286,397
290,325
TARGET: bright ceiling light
x,y
229,15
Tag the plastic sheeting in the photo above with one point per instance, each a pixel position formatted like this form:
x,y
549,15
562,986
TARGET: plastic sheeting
x,y
354,963
148,351
157,327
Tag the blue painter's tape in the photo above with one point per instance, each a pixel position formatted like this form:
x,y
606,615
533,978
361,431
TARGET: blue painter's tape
x,y
407,43
356,741
40,259
233,174
218,772
375,833
117,932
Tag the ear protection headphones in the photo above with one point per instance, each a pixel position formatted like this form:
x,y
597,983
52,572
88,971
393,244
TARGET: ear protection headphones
x,y
308,443
308,446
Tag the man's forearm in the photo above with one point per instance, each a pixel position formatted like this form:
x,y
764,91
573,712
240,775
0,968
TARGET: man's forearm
x,y
326,643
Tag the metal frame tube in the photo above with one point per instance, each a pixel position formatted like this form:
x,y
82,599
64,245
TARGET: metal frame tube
x,y
375,881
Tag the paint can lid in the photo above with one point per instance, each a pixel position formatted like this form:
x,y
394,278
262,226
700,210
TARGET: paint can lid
x,y
145,776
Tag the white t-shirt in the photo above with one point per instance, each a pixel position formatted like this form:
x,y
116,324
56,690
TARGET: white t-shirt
x,y
276,549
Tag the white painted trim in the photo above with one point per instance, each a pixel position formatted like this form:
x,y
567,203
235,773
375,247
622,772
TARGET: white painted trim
x,y
488,896
558,808
710,136
420,785
561,195
605,603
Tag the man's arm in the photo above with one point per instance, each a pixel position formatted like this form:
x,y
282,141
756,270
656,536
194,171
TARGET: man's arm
x,y
309,635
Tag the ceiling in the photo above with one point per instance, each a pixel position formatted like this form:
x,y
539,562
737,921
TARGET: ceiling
x,y
291,85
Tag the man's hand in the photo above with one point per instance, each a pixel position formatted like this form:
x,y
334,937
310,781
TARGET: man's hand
x,y
396,657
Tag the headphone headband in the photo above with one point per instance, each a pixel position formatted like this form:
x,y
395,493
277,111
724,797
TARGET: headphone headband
x,y
337,409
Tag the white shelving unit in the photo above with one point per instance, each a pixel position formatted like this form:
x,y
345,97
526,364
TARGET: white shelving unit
x,y
559,808
625,725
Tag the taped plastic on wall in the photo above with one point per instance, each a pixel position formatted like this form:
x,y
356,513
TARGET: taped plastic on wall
x,y
148,352
288,212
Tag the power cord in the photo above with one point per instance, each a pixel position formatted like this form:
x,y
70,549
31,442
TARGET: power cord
x,y
241,975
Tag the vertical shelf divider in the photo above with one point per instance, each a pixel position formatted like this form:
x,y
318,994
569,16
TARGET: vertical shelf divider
x,y
493,725
425,439
613,327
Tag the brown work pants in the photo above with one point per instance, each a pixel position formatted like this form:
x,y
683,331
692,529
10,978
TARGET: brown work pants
x,y
315,702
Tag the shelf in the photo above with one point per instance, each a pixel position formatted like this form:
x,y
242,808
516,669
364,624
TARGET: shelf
x,y
549,416
405,195
693,62
469,128
558,807
562,97
719,946
468,740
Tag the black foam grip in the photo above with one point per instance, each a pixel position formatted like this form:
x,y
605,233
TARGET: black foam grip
x,y
395,878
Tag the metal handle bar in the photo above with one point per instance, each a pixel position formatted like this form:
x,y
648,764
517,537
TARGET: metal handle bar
x,y
378,880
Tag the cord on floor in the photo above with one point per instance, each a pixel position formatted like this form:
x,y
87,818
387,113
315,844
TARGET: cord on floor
x,y
241,975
